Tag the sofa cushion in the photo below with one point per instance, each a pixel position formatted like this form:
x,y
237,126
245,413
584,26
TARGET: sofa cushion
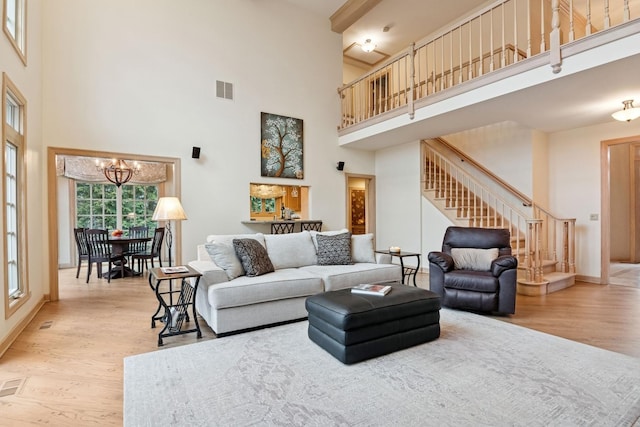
x,y
362,248
473,258
221,251
334,250
290,250
253,256
281,284
347,276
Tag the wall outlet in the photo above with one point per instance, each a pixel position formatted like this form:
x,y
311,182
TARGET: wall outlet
x,y
593,217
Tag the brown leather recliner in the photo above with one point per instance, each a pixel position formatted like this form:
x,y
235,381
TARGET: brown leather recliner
x,y
486,290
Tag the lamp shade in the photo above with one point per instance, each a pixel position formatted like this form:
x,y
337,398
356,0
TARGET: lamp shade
x,y
167,209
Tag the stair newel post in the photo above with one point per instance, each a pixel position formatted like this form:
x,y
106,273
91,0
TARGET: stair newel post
x,y
572,246
564,264
528,252
537,258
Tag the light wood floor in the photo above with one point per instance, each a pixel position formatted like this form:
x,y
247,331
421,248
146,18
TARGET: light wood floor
x,y
67,366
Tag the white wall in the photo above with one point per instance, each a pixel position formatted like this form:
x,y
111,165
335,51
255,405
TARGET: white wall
x,y
398,198
574,190
148,87
490,145
28,81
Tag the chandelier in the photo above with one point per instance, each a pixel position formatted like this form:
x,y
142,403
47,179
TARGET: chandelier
x,y
118,171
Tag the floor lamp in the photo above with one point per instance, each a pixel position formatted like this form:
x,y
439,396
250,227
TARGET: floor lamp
x,y
169,209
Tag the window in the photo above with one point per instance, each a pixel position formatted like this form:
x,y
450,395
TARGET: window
x,y
14,198
15,23
259,205
103,206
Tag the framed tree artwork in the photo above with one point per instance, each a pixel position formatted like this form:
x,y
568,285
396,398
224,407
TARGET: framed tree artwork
x,y
281,146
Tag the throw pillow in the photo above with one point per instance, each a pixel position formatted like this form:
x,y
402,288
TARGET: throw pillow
x,y
362,248
314,234
334,250
224,255
253,256
473,258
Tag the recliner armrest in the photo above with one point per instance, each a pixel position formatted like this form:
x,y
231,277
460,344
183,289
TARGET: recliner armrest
x,y
503,263
442,260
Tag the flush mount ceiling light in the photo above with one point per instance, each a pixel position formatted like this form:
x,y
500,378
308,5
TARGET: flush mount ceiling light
x,y
368,46
628,113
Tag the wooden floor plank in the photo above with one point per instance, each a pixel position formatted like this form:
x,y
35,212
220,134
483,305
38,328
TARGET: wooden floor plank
x,y
71,355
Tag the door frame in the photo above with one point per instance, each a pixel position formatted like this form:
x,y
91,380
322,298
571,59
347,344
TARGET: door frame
x,y
370,195
171,189
605,204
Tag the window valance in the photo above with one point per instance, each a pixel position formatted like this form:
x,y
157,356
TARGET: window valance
x,y
85,169
265,191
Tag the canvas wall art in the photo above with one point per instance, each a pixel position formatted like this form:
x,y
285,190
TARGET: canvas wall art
x,y
281,146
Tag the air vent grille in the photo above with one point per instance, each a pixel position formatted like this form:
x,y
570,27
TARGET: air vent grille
x,y
224,89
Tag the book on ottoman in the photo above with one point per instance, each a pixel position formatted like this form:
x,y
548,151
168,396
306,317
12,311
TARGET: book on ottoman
x,y
371,289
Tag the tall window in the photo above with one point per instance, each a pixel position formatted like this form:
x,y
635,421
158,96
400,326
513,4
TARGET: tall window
x,y
14,198
15,26
103,206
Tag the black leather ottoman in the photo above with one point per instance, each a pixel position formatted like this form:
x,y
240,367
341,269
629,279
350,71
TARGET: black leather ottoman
x,y
356,327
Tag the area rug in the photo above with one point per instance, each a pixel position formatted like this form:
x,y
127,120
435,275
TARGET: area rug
x,y
480,372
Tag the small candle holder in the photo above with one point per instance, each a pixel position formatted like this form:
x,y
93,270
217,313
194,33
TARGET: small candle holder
x,y
394,249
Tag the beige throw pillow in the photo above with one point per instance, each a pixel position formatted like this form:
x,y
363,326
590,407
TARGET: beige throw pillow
x,y
473,258
362,248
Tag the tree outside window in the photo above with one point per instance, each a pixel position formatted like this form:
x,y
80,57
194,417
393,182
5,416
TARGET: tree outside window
x,y
103,206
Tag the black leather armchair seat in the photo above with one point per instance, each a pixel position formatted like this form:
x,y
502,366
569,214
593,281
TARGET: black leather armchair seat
x,y
487,289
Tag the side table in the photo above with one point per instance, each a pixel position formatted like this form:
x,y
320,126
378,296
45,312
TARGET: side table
x,y
175,300
408,271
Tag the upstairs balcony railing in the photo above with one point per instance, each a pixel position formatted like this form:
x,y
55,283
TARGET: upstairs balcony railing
x,y
503,33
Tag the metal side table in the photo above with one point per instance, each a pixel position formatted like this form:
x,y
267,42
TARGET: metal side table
x,y
175,295
407,271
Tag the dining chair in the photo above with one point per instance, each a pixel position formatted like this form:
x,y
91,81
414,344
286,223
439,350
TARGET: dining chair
x,y
81,247
138,231
150,254
100,251
311,225
282,227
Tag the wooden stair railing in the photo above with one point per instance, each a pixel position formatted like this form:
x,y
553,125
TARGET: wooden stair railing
x,y
538,238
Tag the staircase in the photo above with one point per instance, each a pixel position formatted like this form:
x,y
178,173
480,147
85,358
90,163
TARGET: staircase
x,y
471,196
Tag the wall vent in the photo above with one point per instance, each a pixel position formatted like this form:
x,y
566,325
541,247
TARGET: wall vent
x,y
224,89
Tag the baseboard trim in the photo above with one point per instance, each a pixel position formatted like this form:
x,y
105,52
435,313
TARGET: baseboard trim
x,y
588,279
17,330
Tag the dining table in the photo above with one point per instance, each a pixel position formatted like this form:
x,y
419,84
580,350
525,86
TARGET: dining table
x,y
120,246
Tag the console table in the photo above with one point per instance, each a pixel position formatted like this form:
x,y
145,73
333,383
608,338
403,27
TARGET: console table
x,y
408,271
175,300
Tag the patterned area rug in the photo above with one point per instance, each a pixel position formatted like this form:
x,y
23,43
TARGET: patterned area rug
x,y
480,372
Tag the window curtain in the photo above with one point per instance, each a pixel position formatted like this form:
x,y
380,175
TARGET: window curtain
x,y
85,169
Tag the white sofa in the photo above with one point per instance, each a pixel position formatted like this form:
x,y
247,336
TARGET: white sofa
x,y
229,303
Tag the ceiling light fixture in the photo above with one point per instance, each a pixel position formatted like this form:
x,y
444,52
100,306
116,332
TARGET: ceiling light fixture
x,y
368,46
628,113
118,172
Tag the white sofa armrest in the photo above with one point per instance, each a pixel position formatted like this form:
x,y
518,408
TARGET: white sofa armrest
x,y
383,258
211,273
